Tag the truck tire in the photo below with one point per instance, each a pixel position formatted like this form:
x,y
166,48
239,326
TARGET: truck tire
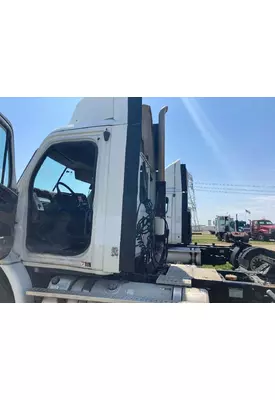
x,y
250,258
227,237
261,237
245,239
6,294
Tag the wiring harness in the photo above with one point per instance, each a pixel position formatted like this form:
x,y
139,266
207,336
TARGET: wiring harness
x,y
154,252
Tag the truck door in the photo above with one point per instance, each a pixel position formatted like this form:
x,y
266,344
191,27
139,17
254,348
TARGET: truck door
x,y
8,192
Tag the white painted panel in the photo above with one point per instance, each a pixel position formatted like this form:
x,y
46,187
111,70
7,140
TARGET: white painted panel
x,y
114,198
174,193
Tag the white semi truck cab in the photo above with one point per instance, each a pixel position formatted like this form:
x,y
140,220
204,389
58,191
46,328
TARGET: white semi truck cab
x,y
86,221
87,215
223,224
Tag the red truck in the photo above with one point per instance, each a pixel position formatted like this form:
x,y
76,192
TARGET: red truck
x,y
262,229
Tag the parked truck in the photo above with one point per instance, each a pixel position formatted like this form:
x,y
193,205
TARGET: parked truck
x,y
262,229
228,229
86,221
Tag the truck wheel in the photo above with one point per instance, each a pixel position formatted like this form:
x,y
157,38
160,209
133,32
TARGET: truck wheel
x,y
261,237
227,238
6,294
250,258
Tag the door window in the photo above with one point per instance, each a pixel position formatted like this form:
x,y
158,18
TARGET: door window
x,y
61,199
52,172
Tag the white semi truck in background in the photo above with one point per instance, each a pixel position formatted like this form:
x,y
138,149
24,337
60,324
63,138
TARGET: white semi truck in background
x,y
178,214
86,222
229,229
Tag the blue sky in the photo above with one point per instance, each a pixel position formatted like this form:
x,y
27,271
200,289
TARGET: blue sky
x,y
222,140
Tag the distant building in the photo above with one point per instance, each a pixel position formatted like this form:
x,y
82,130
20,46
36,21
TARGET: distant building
x,y
203,228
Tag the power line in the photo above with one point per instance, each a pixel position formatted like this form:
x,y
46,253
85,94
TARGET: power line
x,y
234,192
233,185
229,190
220,190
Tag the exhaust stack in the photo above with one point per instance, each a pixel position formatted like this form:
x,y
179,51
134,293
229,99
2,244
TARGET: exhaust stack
x,y
161,144
161,184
